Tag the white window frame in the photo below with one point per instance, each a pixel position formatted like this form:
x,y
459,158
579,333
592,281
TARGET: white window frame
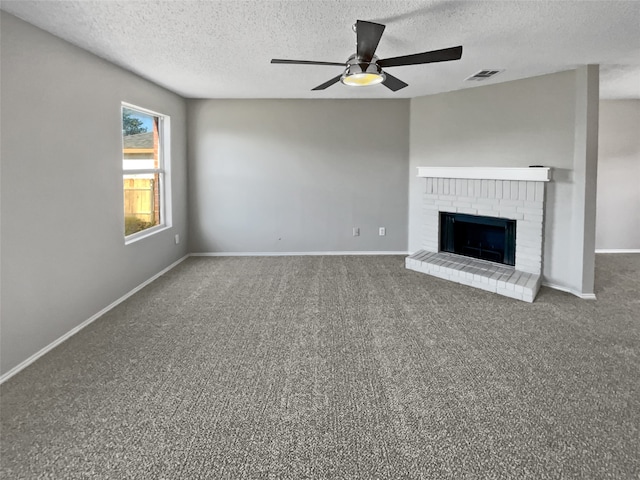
x,y
164,171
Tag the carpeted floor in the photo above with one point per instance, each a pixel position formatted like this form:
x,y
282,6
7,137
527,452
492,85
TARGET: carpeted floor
x,y
336,368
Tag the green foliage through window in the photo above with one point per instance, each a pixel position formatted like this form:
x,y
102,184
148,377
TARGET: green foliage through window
x,y
130,124
134,224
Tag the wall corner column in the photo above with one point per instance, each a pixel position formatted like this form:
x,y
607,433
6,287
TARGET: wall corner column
x,y
585,163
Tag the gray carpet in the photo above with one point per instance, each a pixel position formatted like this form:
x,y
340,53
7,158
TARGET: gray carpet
x,y
336,368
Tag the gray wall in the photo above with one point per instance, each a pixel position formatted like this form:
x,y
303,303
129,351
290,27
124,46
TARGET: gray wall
x,y
298,175
512,124
63,256
619,175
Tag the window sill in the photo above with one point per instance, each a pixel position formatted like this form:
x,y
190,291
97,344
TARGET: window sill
x,y
134,237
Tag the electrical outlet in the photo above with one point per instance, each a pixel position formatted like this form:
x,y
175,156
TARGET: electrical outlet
x,y
356,232
382,231
177,238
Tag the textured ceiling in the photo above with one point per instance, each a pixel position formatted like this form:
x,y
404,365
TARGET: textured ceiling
x,y
222,49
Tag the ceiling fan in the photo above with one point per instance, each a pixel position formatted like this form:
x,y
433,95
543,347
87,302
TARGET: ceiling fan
x,y
363,68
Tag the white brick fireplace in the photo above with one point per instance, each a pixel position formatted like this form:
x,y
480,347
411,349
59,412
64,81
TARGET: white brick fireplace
x,y
510,193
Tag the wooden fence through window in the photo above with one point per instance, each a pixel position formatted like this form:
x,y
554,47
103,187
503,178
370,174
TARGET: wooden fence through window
x,y
140,199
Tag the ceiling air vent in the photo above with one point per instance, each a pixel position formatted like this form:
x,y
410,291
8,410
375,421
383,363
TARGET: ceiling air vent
x,y
482,75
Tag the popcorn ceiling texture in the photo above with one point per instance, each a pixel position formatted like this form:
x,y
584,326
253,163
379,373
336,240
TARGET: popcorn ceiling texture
x,y
335,368
222,49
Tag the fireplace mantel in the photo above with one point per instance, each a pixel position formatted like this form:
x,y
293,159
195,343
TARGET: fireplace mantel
x,y
531,174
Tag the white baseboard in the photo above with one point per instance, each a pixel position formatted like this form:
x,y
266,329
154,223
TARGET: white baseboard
x,y
290,254
76,329
586,296
617,250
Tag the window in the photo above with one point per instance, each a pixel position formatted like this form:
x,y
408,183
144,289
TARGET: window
x,y
145,160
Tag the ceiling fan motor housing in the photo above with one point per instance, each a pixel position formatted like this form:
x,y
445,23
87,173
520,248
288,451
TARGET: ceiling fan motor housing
x,y
362,73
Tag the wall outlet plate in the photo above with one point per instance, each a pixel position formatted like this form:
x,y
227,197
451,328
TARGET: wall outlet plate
x,y
356,231
382,231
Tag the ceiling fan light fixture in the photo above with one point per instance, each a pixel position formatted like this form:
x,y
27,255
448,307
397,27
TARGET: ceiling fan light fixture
x,y
362,74
363,68
362,79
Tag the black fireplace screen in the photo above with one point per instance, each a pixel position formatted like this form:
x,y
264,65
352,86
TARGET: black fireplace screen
x,y
488,238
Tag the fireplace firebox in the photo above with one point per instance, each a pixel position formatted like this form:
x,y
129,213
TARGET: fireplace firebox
x,y
486,238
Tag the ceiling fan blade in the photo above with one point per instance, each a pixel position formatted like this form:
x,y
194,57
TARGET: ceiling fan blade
x,y
368,36
393,83
328,83
306,62
444,55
